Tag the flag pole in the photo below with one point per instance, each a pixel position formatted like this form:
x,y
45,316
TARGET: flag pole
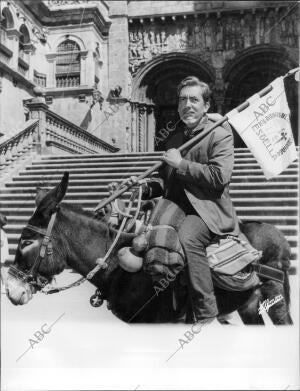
x,y
189,143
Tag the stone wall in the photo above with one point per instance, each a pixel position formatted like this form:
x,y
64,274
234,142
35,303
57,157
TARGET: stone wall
x,y
12,110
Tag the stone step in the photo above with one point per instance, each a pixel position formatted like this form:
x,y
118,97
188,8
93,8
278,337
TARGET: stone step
x,y
239,163
106,156
268,210
271,196
98,173
254,186
261,202
120,175
76,172
243,153
90,165
239,153
91,201
260,178
257,188
236,183
263,193
275,219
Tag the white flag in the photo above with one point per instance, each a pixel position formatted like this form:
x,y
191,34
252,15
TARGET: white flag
x,y
266,129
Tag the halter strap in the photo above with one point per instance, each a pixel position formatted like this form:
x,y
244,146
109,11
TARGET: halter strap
x,y
45,243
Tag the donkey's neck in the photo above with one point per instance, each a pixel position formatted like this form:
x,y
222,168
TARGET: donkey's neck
x,y
85,239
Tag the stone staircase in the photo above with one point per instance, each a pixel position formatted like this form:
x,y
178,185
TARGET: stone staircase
x,y
274,201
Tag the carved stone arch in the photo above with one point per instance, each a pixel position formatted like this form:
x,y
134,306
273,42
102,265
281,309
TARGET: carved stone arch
x,y
251,71
154,97
71,37
165,62
8,16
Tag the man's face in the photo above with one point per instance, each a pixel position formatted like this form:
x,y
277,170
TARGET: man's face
x,y
191,106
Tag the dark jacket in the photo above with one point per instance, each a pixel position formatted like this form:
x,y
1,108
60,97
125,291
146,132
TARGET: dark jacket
x,y
204,173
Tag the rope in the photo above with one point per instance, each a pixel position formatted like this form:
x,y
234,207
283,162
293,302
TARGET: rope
x,y
101,264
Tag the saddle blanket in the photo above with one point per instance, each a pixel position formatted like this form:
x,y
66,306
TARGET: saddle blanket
x,y
228,257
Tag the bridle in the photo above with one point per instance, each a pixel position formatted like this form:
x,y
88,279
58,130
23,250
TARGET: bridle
x,y
31,276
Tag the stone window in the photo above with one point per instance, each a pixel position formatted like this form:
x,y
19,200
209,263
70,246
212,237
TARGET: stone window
x,y
6,22
68,64
24,40
25,47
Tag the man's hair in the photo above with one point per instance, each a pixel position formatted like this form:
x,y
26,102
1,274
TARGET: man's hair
x,y
192,81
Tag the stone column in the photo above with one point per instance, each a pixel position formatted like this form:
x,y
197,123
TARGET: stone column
x,y
14,36
85,77
38,109
51,82
134,127
118,65
219,88
150,128
142,128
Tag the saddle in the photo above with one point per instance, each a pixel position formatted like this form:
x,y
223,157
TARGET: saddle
x,y
230,258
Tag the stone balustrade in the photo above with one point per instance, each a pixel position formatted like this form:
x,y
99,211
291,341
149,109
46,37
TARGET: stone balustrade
x,y
64,135
18,147
46,133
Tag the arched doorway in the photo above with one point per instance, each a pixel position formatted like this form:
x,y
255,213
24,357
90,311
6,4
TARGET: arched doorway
x,y
156,85
253,71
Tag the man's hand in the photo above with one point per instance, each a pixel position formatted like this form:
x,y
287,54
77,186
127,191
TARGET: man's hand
x,y
131,181
172,157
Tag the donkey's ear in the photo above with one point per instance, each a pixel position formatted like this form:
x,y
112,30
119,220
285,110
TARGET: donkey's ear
x,y
48,202
61,189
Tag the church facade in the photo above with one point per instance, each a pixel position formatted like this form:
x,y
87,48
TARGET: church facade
x,y
112,67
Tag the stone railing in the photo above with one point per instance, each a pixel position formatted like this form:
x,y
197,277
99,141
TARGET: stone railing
x,y
18,147
63,134
57,135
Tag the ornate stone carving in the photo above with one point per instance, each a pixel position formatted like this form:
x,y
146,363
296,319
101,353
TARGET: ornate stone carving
x,y
141,129
115,92
58,3
202,36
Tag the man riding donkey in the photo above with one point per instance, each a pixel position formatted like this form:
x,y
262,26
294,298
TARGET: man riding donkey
x,y
197,181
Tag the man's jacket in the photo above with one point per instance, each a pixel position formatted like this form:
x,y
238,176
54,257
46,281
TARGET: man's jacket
x,y
204,173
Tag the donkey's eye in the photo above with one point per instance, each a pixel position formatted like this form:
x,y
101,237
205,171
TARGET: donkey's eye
x,y
26,243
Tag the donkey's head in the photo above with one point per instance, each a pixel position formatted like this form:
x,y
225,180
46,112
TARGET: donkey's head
x,y
36,261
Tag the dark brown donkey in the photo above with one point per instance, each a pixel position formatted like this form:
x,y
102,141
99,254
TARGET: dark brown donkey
x,y
77,239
